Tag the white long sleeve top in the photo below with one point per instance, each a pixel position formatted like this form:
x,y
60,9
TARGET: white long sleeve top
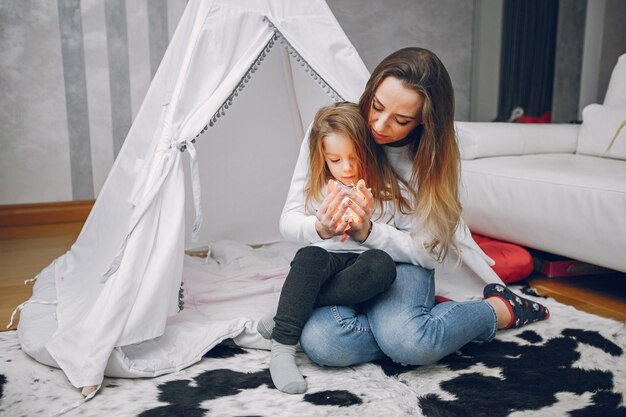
x,y
455,281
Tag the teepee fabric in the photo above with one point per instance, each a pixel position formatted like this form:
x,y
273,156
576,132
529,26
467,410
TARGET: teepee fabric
x,y
267,64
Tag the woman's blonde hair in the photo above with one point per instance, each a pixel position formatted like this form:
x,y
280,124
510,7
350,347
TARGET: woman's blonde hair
x,y
345,118
434,182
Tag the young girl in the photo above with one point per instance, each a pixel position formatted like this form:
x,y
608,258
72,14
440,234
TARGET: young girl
x,y
336,270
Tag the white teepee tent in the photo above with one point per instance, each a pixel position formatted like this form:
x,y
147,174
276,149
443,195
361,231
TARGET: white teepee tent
x,y
252,72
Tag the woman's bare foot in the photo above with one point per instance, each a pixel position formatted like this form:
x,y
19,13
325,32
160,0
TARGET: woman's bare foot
x,y
502,312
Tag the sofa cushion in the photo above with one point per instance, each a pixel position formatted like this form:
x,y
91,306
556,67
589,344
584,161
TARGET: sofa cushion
x,y
512,262
566,204
616,92
480,140
603,126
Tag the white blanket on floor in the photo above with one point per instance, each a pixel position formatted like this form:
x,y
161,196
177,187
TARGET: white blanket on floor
x,y
225,295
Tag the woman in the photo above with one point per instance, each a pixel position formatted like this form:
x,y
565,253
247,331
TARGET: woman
x,y
408,104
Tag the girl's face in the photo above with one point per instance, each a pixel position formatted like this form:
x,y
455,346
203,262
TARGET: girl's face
x,y
341,157
395,111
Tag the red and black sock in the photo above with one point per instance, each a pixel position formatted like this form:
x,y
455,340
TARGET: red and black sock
x,y
523,311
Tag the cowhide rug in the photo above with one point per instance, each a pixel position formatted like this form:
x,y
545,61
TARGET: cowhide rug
x,y
572,365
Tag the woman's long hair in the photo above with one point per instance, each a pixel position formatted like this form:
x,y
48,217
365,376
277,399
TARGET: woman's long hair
x,y
343,117
434,182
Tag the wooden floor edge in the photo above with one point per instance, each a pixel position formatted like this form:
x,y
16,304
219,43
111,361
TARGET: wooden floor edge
x,y
45,213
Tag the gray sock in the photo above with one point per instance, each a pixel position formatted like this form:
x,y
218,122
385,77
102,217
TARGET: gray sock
x,y
266,326
284,371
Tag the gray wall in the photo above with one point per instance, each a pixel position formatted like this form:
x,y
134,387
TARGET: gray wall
x,y
605,41
486,60
377,28
72,76
613,42
568,60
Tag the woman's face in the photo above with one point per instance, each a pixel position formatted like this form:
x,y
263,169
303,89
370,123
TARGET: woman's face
x,y
395,111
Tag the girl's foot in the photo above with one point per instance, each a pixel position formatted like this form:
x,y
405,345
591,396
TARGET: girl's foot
x,y
266,326
522,310
284,371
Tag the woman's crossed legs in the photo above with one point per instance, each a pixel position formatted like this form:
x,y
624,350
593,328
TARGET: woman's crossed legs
x,y
403,323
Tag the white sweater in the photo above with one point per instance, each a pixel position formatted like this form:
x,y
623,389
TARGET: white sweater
x,y
458,282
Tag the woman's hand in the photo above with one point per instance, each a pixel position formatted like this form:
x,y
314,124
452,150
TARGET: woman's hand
x,y
330,216
363,206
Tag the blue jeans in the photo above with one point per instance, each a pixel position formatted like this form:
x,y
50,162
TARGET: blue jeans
x,y
402,323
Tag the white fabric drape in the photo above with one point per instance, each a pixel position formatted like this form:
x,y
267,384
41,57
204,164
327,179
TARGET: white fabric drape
x,y
119,282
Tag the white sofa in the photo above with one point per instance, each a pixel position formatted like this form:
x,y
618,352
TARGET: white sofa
x,y
560,188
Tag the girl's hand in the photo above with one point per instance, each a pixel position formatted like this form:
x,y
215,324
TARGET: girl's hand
x,y
330,216
363,206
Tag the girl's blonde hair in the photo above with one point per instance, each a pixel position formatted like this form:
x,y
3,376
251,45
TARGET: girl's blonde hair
x,y
434,182
345,118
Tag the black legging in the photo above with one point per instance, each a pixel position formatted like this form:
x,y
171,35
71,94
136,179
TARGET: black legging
x,y
318,278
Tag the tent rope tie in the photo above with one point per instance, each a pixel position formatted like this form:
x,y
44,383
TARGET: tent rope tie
x,y
28,281
36,277
195,185
176,146
21,306
77,403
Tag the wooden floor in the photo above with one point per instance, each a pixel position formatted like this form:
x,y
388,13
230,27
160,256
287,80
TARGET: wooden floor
x,y
603,295
26,250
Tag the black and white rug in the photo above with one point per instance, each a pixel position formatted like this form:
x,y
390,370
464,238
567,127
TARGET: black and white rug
x,y
572,365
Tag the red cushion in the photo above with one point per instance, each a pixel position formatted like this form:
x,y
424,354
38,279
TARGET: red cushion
x,y
480,239
544,118
513,262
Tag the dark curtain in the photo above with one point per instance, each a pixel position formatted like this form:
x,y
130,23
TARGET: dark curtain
x,y
527,60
